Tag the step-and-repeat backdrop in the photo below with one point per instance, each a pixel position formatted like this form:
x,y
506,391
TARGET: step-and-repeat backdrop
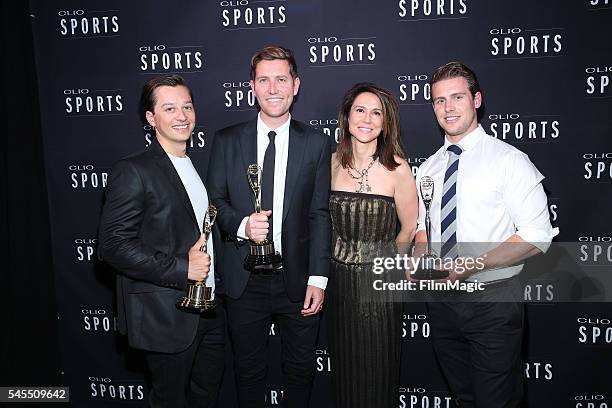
x,y
546,72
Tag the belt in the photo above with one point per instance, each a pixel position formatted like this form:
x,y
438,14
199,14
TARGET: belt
x,y
266,272
499,282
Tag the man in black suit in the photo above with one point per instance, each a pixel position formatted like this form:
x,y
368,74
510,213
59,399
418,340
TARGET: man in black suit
x,y
150,232
295,216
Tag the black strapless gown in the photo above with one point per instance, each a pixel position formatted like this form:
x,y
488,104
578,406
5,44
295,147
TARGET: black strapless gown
x,y
364,330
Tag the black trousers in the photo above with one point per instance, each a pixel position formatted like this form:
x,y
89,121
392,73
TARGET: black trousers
x,y
192,377
478,346
249,318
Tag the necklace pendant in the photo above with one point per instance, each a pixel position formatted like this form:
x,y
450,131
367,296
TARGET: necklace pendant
x,y
362,178
363,187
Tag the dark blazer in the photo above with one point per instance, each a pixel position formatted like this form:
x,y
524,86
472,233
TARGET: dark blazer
x,y
146,230
306,231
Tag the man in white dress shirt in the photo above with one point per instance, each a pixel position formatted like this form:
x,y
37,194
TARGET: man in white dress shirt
x,y
489,203
295,159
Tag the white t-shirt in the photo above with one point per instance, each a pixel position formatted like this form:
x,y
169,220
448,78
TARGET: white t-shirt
x,y
199,201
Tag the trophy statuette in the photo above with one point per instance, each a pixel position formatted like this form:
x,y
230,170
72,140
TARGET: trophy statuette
x,y
426,269
199,297
261,253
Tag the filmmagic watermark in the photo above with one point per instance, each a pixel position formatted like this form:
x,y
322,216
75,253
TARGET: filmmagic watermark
x,y
578,271
429,285
411,264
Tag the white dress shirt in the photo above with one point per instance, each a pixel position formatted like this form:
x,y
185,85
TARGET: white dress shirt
x,y
499,193
199,201
281,143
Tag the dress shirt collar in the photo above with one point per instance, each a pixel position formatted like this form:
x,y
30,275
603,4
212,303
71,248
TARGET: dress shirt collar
x,y
263,129
468,142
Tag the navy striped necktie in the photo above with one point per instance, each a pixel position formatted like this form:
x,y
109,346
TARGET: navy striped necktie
x,y
448,207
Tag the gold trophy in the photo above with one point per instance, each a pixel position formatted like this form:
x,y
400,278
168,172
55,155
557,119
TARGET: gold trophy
x,y
262,254
199,297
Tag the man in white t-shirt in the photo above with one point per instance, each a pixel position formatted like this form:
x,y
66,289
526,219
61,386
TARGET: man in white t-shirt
x,y
151,233
489,204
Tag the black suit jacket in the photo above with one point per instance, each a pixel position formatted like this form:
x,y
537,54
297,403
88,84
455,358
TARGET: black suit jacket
x,y
146,230
306,230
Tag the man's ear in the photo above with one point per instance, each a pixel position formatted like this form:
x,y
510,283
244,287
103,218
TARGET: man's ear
x,y
477,100
296,85
150,118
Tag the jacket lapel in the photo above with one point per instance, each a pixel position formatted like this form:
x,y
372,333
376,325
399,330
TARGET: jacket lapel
x,y
163,161
248,144
297,146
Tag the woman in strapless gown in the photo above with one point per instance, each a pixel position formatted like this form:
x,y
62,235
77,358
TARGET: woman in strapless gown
x,y
372,189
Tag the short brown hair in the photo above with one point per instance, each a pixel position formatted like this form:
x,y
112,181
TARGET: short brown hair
x,y
148,97
274,52
387,143
454,70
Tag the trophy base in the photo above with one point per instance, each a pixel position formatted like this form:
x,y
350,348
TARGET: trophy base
x,y
429,274
197,298
191,305
426,270
263,256
259,262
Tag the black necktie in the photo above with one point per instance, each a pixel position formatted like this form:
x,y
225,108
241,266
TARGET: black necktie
x,y
267,182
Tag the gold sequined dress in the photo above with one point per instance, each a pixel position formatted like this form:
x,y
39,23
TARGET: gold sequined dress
x,y
364,328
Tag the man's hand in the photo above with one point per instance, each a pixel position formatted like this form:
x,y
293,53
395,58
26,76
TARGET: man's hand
x,y
257,225
199,261
420,247
460,270
313,302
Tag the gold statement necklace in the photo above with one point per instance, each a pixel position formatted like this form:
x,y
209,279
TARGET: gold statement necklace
x,y
362,177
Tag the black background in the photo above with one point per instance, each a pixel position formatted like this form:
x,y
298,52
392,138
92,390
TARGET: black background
x,y
45,281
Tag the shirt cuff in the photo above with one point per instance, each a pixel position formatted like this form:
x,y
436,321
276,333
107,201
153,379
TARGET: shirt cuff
x,y
538,238
241,234
318,281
